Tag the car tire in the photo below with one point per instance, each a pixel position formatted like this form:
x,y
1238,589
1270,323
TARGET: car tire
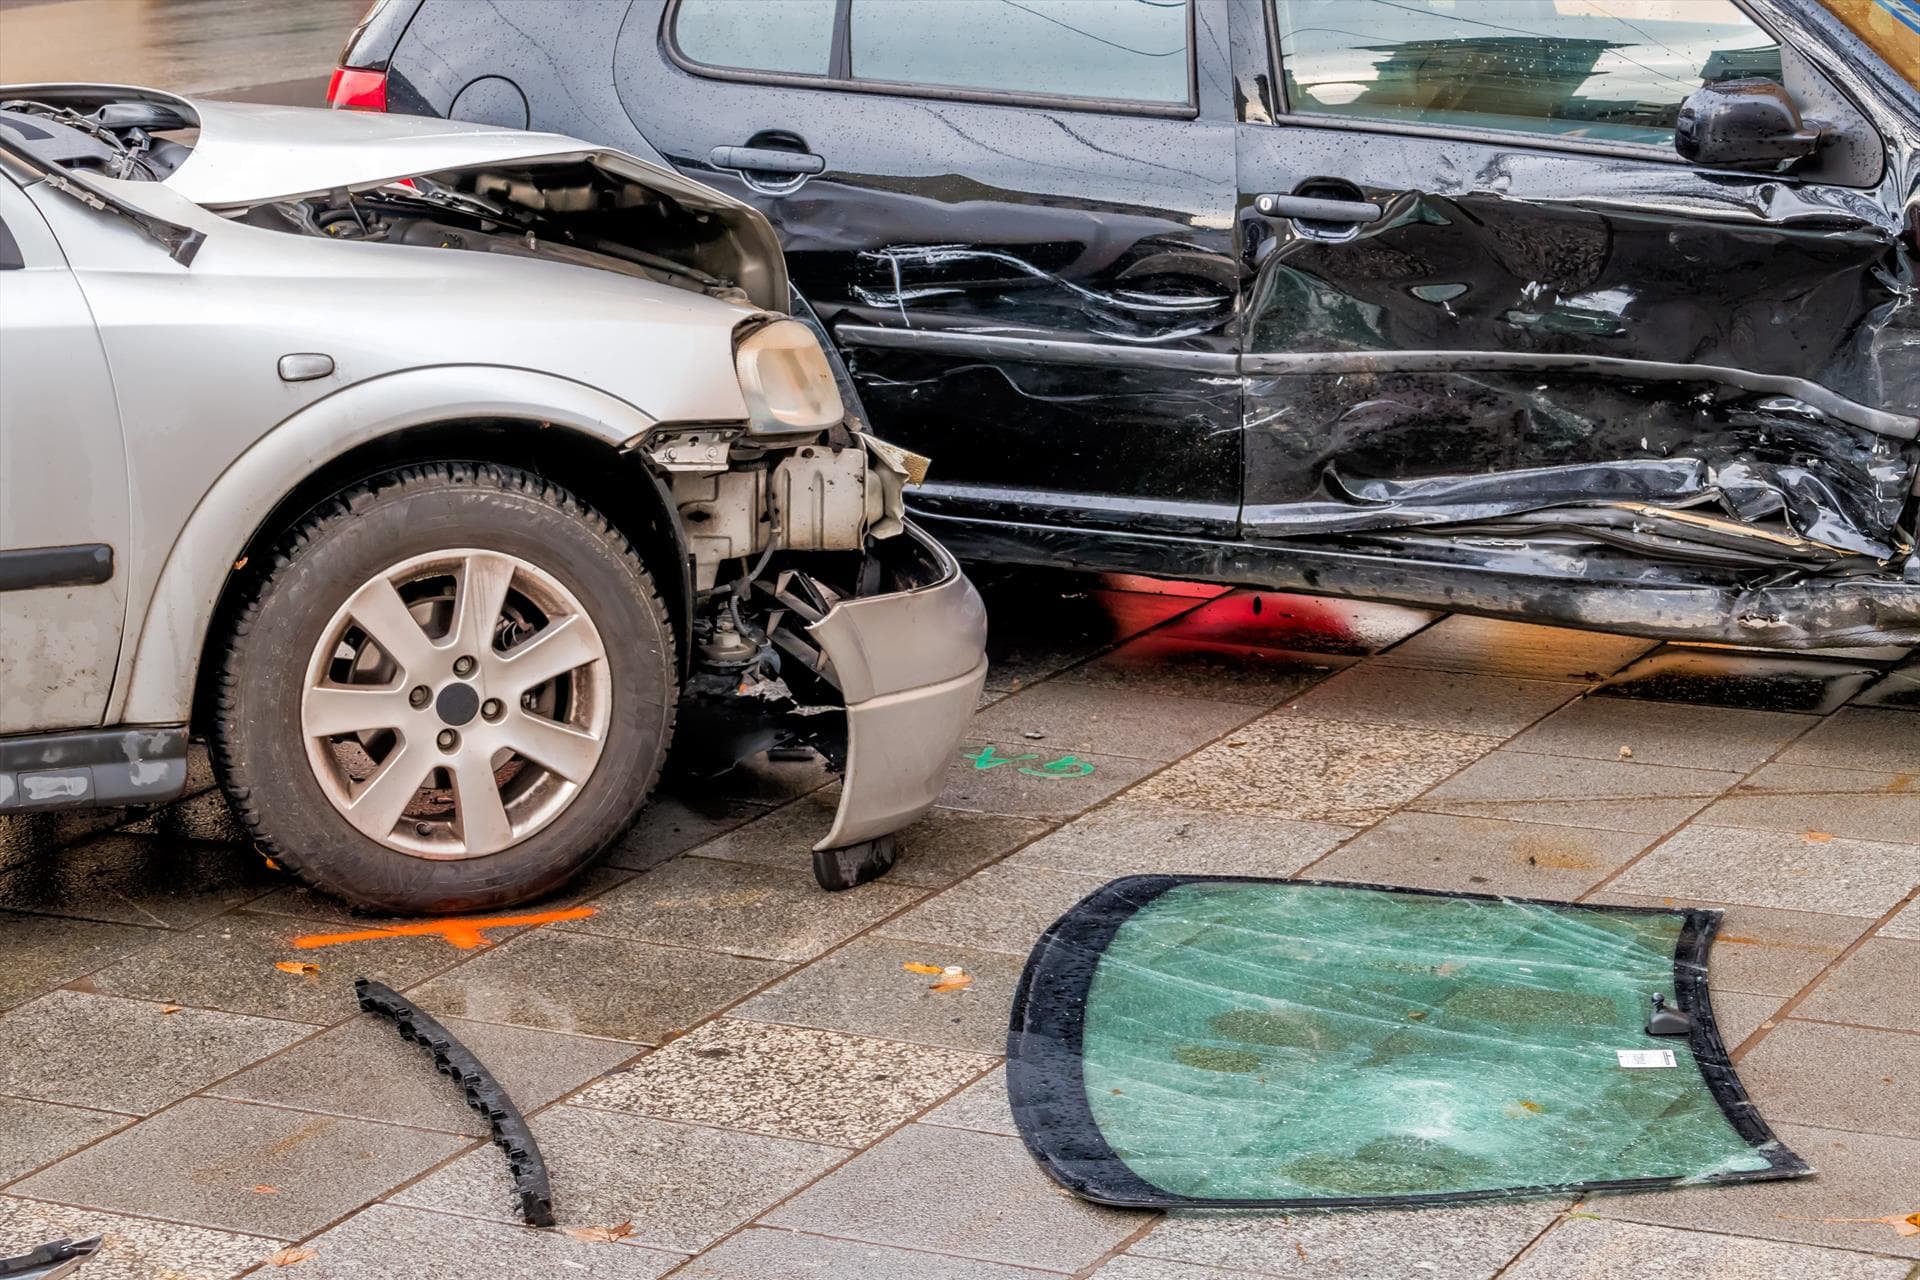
x,y
438,535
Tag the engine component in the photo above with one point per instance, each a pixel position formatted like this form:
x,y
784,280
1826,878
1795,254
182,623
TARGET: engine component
x,y
723,517
821,500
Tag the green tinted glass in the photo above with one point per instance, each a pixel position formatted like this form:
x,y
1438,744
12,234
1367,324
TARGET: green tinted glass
x,y
1223,1041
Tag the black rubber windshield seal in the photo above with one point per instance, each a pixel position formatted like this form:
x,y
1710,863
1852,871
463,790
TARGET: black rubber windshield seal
x,y
1047,1089
531,1187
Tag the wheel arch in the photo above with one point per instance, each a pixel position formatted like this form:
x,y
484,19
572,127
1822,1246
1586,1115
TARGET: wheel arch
x,y
566,431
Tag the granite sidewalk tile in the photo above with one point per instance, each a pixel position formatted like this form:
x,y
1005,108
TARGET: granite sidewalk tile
x,y
1128,837
1838,802
1462,642
1584,1249
765,1253
1833,1077
789,1082
139,880
1309,624
235,1166
1777,869
1061,716
986,777
1876,986
1003,908
1861,738
134,1248
981,1106
1762,950
681,1186
1178,667
1611,795
389,1242
1664,733
37,1133
39,953
671,824
1480,855
1421,698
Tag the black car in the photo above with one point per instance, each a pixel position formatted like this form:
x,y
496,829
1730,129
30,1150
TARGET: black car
x,y
1601,314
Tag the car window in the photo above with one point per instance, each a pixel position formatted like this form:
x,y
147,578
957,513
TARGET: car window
x,y
1126,50
1605,70
10,259
791,36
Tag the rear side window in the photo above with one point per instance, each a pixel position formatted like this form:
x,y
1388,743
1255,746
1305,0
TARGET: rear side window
x,y
1127,50
1605,70
792,36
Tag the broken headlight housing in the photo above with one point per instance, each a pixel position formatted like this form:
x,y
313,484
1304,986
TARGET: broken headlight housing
x,y
786,380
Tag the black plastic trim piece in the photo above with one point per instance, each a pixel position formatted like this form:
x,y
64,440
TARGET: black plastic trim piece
x,y
531,1186
1046,1088
86,564
127,765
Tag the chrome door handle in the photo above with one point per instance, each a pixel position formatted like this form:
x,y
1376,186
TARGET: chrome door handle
x,y
766,160
1317,209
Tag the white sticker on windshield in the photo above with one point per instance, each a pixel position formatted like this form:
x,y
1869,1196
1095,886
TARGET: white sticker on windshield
x,y
1644,1057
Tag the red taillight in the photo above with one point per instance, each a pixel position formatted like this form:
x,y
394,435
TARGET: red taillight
x,y
353,89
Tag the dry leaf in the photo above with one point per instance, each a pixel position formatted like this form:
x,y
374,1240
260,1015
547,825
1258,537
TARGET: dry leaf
x,y
952,982
1819,837
911,967
264,1190
1906,1224
169,1008
302,967
600,1235
292,1255
1626,753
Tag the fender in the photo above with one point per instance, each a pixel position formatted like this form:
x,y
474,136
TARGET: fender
x,y
166,645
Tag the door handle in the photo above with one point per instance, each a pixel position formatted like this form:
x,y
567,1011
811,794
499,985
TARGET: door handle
x,y
1317,208
766,160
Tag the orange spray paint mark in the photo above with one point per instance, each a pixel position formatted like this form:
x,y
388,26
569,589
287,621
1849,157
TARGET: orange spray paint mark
x,y
465,934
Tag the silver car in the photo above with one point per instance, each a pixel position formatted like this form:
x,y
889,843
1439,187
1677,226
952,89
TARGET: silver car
x,y
440,474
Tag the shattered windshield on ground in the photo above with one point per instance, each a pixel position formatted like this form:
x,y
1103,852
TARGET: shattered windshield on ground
x,y
1194,1041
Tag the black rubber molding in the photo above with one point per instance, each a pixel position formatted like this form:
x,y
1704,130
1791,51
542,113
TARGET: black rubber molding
x,y
484,1094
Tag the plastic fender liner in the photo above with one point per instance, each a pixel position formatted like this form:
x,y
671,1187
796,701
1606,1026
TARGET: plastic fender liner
x,y
484,1094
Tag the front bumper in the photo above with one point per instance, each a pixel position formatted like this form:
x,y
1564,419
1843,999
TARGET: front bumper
x,y
910,663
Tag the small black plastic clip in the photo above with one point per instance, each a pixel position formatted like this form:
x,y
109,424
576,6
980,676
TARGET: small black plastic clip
x,y
1667,1022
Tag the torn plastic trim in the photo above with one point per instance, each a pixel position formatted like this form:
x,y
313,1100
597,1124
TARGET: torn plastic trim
x,y
1576,585
51,1261
531,1187
182,243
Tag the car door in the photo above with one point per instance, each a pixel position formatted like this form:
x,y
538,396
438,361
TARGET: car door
x,y
1014,217
1488,298
63,488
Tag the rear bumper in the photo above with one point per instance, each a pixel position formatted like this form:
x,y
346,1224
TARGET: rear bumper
x,y
910,663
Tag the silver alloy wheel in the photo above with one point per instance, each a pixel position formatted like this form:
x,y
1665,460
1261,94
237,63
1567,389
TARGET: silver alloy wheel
x,y
456,703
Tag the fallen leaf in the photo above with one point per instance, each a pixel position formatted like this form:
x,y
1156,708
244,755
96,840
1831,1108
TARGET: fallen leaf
x,y
292,1255
912,967
600,1235
952,982
302,967
1906,1224
169,1008
271,864
1819,837
1417,1015
1626,753
264,1190
1300,1250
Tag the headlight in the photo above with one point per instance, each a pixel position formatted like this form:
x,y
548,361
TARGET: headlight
x,y
786,380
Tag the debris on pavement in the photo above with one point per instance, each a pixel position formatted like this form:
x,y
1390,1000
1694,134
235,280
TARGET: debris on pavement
x,y
531,1187
50,1261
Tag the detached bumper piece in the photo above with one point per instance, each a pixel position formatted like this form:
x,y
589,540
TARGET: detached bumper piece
x,y
51,1260
1211,1041
484,1094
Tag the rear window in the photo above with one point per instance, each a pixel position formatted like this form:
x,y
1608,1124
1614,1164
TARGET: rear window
x,y
1133,51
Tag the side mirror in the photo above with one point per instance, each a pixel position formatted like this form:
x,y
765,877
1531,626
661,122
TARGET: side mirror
x,y
1744,124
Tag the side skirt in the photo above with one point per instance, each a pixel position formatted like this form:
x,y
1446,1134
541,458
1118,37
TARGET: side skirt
x,y
89,767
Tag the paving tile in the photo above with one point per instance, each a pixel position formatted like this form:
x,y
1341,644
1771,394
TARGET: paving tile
x,y
1898,689
1480,855
1840,802
1876,986
1777,869
769,912
1059,716
1859,1176
126,1055
1836,1077
593,986
206,816
1761,950
38,953
137,880
363,1068
25,836
681,1186
37,1133
1715,676
229,963
386,1240
1463,642
993,782
133,1248
1176,666
1466,1243
1128,838
982,1105
1292,766
201,1162
1039,628
1739,1014
759,780
1611,795
940,848
1005,1209
1004,908
791,1082
1862,738
863,989
1462,702
674,822
1663,733
764,1253
1904,925
1584,1249
1128,1267
1312,624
